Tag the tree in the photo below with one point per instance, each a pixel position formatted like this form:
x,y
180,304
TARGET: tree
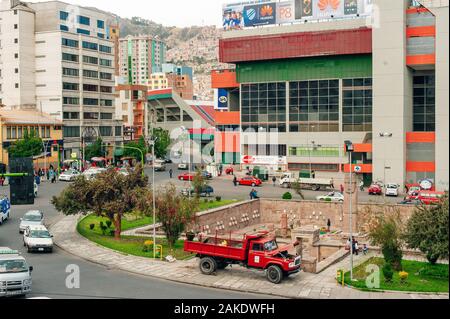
x,y
427,230
173,211
31,145
110,195
297,187
130,152
199,183
387,233
94,150
162,142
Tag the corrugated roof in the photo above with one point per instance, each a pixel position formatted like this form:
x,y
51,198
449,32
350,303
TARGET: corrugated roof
x,y
26,117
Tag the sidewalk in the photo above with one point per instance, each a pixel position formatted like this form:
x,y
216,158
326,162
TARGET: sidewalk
x,y
302,285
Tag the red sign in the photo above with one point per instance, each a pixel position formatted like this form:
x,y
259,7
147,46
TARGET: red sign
x,y
248,159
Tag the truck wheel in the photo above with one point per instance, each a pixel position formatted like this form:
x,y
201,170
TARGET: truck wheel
x,y
208,265
274,274
316,188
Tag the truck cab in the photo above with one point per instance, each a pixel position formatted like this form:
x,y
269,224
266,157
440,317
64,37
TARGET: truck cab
x,y
15,273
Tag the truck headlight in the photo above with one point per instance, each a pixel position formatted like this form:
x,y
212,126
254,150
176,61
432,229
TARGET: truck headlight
x,y
2,283
27,282
292,265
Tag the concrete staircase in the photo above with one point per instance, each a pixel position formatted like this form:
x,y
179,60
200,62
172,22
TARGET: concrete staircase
x,y
333,259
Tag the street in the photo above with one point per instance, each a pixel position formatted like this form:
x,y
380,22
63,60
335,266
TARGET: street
x,y
49,275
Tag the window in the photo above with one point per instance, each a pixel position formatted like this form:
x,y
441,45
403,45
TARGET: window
x,y
314,106
90,59
16,70
84,20
106,89
90,101
82,31
105,130
8,133
16,85
106,102
71,131
69,43
357,105
16,26
314,151
105,76
106,49
100,24
264,107
15,12
90,87
70,57
70,86
16,40
64,28
105,62
90,115
16,55
63,15
101,35
265,150
20,132
71,72
90,46
71,115
71,100
90,74
118,131
45,131
424,103
314,167
13,132
106,116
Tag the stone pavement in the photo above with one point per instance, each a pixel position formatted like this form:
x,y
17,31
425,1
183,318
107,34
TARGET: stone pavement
x,y
302,285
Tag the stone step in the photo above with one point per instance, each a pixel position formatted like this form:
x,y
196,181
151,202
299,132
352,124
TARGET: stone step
x,y
333,259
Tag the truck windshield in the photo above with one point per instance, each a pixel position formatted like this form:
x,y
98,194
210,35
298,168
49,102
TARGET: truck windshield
x,y
270,246
13,266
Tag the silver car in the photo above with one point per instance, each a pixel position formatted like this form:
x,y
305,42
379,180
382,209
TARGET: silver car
x,y
31,218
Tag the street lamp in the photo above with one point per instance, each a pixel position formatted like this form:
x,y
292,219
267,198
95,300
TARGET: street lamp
x,y
152,142
349,148
385,135
187,136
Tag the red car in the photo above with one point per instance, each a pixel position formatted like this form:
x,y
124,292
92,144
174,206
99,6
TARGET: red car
x,y
186,177
375,189
250,181
229,171
429,197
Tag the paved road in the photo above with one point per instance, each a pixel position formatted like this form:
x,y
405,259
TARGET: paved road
x,y
96,281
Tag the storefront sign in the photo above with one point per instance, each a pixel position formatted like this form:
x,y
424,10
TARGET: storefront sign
x,y
264,160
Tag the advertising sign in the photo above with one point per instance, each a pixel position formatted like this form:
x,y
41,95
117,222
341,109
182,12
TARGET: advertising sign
x,y
350,7
303,9
221,99
285,12
261,14
264,160
233,14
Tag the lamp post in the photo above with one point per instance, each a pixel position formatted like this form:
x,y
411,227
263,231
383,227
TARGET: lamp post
x,y
349,148
187,136
385,135
152,142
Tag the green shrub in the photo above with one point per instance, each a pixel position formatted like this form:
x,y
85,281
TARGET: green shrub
x,y
218,198
388,272
91,226
112,232
103,228
434,271
393,255
108,223
287,196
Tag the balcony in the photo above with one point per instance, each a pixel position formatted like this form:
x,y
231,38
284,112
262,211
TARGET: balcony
x,y
221,79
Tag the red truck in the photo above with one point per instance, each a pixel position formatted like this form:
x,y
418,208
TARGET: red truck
x,y
257,251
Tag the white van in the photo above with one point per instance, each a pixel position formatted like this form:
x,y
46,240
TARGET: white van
x,y
15,274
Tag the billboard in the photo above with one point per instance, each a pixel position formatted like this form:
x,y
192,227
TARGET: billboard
x,y
326,9
221,99
285,12
260,14
233,14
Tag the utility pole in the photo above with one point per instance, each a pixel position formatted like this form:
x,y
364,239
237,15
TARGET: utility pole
x,y
349,148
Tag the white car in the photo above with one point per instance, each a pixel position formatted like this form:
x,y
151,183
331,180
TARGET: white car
x,y
31,218
15,274
392,190
92,172
331,197
69,175
38,239
182,166
159,165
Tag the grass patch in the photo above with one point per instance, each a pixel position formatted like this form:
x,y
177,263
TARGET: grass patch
x,y
423,277
215,204
127,244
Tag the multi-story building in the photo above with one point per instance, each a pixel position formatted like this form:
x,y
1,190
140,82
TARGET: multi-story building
x,y
139,57
384,87
59,58
178,78
15,123
157,81
133,109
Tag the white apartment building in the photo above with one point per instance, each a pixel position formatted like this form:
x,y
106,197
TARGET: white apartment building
x,y
60,58
157,81
139,57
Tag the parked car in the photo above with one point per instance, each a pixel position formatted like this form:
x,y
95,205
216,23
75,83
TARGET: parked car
x,y
413,193
411,202
31,218
429,197
92,172
250,181
331,197
392,189
207,175
159,166
5,209
183,166
69,175
206,191
375,189
186,177
167,160
38,239
15,274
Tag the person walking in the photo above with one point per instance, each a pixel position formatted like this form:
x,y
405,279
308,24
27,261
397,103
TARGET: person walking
x,y
342,189
313,174
329,225
332,183
51,175
356,248
171,173
235,181
274,181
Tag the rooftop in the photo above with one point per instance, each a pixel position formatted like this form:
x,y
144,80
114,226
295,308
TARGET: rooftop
x,y
27,117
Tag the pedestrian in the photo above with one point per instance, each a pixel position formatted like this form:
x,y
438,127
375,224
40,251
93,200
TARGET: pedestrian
x,y
329,225
235,181
171,173
342,189
274,180
365,249
356,248
313,174
220,169
251,194
51,173
332,183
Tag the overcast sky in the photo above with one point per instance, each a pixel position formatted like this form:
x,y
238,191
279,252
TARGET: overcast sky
x,y
179,13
